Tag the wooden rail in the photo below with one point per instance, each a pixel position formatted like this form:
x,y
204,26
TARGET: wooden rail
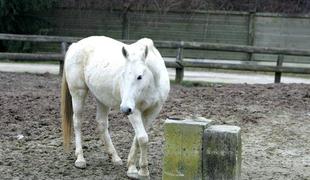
x,y
180,63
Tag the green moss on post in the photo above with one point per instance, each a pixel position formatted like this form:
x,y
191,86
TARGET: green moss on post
x,y
183,149
222,153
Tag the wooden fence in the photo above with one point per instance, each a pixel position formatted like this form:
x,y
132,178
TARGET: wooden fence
x,y
225,27
181,62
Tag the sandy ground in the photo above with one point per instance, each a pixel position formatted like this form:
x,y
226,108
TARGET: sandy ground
x,y
275,122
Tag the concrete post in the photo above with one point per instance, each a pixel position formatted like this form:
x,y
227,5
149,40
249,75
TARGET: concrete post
x,y
64,47
183,148
222,153
277,75
179,72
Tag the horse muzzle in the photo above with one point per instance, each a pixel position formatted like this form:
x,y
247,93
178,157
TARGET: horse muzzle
x,y
126,110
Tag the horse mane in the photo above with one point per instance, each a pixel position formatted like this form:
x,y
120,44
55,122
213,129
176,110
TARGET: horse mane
x,y
147,42
154,61
151,58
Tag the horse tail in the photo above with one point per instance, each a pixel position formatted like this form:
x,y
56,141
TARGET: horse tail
x,y
66,112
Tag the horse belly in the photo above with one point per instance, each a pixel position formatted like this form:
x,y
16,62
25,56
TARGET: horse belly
x,y
101,83
105,97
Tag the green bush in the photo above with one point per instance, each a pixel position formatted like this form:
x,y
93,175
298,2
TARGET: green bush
x,y
17,16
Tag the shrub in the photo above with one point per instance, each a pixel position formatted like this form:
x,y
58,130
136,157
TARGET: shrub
x,y
16,16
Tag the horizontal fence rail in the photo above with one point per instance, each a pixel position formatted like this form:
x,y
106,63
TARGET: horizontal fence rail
x,y
179,63
246,67
31,56
169,44
38,38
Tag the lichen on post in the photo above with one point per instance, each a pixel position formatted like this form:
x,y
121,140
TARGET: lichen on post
x,y
222,153
183,148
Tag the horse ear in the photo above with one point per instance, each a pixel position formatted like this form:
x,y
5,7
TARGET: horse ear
x,y
146,51
124,51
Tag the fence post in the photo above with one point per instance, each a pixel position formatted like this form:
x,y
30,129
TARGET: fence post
x,y
277,76
251,32
179,70
182,151
64,46
125,24
222,152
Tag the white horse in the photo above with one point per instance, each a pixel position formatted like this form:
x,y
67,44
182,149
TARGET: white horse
x,y
130,77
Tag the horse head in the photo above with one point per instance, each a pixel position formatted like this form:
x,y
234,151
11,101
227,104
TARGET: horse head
x,y
136,77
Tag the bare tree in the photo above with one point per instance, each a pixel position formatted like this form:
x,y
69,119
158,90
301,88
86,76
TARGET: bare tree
x,y
163,6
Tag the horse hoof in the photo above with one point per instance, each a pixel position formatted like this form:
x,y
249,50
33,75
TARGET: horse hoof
x,y
144,174
117,161
143,177
133,175
80,164
132,172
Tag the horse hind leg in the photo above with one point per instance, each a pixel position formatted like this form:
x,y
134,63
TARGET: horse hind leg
x,y
78,99
103,127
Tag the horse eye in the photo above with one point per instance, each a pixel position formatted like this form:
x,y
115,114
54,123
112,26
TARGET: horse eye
x,y
139,77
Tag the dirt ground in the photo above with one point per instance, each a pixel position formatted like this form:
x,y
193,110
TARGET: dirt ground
x,y
275,122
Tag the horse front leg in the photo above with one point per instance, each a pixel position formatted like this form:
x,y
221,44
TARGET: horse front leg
x,y
103,127
142,138
132,159
147,117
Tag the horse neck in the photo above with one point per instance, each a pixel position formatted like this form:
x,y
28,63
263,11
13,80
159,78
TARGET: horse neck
x,y
157,66
161,81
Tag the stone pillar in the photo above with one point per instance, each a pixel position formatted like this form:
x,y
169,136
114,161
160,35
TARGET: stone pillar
x,y
183,148
222,153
